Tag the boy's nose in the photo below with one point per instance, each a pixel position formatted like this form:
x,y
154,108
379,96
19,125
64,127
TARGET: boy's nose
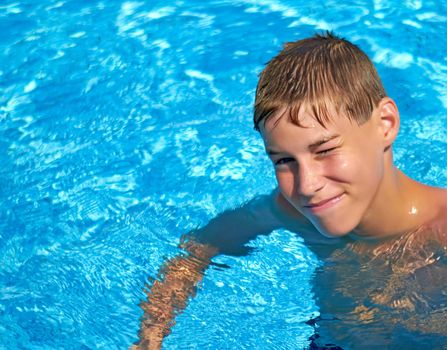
x,y
309,180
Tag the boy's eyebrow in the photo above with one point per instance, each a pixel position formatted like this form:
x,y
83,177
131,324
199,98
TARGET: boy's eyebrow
x,y
323,141
314,145
271,152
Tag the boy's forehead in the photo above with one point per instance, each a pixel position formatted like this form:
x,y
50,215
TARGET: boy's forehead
x,y
280,129
305,117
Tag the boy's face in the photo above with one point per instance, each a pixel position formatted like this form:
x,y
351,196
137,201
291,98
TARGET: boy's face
x,y
329,174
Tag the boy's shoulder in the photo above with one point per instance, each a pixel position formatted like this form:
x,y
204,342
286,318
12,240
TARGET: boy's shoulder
x,y
439,204
438,224
443,200
442,216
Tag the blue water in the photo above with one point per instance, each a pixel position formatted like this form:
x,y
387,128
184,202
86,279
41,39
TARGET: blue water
x,y
124,125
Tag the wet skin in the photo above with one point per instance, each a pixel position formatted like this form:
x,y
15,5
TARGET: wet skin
x,y
381,234
340,179
341,176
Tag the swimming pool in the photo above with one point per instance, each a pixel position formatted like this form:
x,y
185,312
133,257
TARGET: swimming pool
x,y
124,125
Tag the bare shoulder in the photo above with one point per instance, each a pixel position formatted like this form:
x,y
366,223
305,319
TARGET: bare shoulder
x,y
441,195
438,226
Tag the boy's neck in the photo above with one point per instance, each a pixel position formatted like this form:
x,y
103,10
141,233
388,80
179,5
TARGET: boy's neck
x,y
401,205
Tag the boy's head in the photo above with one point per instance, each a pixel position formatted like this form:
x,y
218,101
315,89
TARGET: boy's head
x,y
328,128
318,72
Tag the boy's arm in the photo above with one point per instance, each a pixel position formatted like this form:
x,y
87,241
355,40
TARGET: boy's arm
x,y
176,283
178,277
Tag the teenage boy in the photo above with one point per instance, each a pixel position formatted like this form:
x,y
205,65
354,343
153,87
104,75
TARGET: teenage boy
x,y
328,127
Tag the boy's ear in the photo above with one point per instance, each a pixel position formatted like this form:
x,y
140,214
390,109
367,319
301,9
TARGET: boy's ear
x,y
389,120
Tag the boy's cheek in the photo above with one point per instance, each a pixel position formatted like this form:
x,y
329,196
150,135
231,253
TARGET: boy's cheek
x,y
286,183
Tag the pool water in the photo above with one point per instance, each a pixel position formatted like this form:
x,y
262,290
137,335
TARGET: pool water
x,y
125,124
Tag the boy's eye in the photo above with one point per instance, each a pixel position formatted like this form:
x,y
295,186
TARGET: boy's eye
x,y
326,151
283,161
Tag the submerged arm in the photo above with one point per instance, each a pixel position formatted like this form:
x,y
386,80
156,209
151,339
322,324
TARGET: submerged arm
x,y
177,282
179,277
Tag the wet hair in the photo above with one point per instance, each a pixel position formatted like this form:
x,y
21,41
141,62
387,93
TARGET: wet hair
x,y
318,72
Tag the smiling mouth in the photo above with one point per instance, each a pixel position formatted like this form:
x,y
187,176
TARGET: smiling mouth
x,y
325,204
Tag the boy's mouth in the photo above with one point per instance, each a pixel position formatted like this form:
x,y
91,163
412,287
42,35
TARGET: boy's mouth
x,y
324,204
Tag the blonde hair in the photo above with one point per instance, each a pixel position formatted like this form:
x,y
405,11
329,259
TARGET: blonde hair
x,y
319,72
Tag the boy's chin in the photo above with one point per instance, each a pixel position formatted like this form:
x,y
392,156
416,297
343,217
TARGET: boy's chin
x,y
333,234
334,231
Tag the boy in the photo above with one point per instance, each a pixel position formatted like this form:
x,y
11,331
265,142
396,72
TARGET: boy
x,y
328,127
